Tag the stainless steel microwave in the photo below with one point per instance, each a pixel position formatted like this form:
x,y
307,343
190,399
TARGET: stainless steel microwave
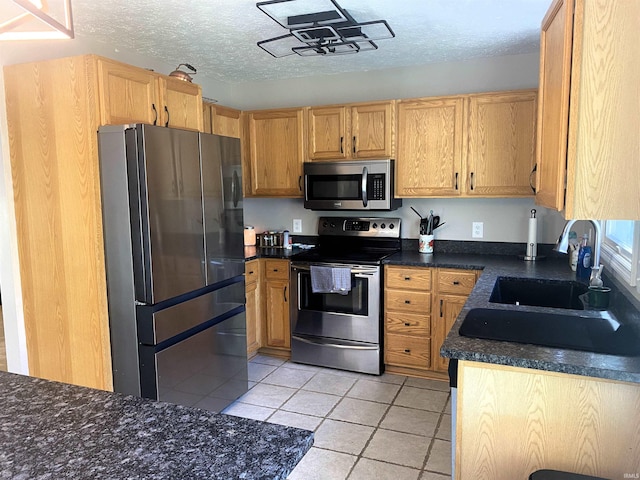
x,y
361,185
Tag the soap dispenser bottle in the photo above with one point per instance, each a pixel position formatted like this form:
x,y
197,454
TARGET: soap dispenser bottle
x,y
583,269
574,246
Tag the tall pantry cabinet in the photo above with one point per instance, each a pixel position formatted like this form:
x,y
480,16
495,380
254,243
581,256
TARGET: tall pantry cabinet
x,y
54,109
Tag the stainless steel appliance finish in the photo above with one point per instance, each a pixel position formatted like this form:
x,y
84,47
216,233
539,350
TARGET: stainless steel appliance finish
x,y
336,330
175,264
361,185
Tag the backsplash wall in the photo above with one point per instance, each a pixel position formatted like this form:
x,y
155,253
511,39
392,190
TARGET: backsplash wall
x,y
504,219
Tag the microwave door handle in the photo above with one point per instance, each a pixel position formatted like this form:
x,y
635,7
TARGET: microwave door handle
x,y
306,187
365,174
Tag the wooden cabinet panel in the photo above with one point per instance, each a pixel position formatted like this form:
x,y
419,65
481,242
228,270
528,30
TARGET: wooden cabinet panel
x,y
276,145
408,351
253,310
372,134
430,147
181,104
221,120
449,307
500,159
513,421
328,133
457,282
408,278
588,98
127,94
409,301
276,292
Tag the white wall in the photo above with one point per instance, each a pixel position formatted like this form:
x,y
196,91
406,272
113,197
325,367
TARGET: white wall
x,y
505,220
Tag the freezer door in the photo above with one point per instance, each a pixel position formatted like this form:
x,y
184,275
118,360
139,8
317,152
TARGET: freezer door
x,y
222,201
168,233
207,370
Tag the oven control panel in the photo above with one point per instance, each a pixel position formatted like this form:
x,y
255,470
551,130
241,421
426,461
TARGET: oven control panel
x,y
385,227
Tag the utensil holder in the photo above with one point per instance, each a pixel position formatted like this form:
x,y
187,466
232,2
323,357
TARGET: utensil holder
x,y
425,243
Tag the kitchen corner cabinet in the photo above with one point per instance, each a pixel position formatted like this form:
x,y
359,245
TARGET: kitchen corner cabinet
x,y
54,109
452,287
501,144
512,421
468,145
130,94
221,120
588,115
276,152
253,306
430,147
364,130
277,331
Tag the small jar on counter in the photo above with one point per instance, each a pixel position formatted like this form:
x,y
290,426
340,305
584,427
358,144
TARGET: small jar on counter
x,y
249,236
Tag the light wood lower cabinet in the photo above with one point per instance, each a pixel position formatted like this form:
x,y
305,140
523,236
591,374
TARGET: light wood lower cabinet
x,y
421,305
253,306
513,421
277,333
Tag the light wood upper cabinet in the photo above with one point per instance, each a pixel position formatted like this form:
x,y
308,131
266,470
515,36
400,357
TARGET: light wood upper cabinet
x,y
352,131
276,151
221,120
588,109
127,94
130,94
430,147
501,145
181,104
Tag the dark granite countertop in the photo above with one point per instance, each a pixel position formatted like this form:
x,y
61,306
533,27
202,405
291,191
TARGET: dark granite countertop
x,y
524,355
51,430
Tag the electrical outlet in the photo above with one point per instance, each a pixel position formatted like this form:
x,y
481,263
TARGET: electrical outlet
x,y
297,225
477,230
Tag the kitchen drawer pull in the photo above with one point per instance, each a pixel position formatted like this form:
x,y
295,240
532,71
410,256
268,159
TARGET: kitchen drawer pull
x,y
407,350
408,302
251,272
407,324
407,278
275,269
456,282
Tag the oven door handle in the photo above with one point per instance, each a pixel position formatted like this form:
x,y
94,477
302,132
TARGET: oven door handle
x,y
357,271
365,180
333,344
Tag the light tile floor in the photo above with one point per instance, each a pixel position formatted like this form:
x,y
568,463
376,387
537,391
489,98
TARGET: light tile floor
x,y
366,427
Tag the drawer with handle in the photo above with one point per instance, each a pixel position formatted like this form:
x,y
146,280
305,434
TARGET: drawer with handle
x,y
408,301
276,269
456,281
404,350
408,323
251,271
408,278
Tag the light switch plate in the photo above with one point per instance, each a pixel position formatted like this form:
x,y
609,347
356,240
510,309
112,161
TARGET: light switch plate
x,y
297,225
477,230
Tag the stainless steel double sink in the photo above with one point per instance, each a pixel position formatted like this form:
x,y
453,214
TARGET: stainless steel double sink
x,y
576,328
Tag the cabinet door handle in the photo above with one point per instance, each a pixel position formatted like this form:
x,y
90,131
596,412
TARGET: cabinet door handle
x,y
251,272
441,307
407,350
275,269
341,144
285,294
300,182
354,144
407,324
407,278
155,119
167,112
408,302
456,180
535,169
471,181
456,282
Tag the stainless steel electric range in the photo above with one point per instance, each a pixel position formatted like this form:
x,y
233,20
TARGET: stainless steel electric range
x,y
342,328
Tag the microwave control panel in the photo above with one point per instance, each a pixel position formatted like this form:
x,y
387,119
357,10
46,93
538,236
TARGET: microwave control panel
x,y
376,186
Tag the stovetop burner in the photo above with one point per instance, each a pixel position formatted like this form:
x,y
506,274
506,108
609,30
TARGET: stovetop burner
x,y
354,240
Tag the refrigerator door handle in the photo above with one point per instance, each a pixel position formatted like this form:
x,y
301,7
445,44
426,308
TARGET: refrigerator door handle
x,y
234,188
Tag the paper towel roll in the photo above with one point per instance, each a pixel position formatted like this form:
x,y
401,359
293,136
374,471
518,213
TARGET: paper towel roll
x,y
532,244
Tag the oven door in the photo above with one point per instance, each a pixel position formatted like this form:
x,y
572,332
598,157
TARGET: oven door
x,y
353,317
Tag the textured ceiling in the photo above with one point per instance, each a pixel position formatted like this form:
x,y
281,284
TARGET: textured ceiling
x,y
218,37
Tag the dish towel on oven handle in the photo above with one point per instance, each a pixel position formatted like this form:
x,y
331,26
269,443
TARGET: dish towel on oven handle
x,y
330,279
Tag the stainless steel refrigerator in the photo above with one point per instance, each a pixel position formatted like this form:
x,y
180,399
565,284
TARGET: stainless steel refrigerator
x,y
173,236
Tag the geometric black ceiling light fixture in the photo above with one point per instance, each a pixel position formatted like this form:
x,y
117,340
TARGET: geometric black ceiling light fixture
x,y
319,27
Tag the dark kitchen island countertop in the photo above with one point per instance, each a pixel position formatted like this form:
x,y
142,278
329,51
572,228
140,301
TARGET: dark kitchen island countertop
x,y
621,368
58,431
